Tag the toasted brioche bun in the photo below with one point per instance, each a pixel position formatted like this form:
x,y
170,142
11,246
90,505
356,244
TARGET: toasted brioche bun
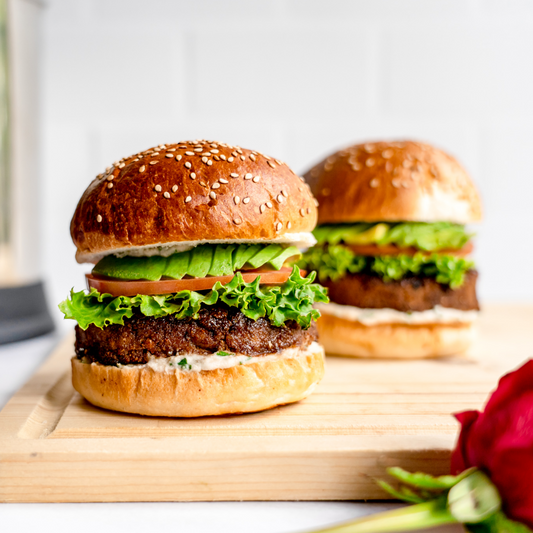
x,y
393,341
166,195
393,181
239,389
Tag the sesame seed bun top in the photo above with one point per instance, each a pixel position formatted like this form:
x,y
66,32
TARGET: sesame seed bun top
x,y
393,181
175,196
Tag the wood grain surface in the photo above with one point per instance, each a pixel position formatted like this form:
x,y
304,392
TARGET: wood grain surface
x,y
364,416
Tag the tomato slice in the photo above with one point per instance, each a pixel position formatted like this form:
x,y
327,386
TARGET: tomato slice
x,y
392,249
117,287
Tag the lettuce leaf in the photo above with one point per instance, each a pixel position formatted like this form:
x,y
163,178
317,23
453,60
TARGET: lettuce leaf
x,y
421,235
291,301
335,261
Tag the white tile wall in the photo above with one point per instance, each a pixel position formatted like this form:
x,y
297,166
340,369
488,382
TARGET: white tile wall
x,y
297,79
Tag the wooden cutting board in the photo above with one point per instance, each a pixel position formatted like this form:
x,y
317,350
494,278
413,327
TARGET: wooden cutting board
x,y
364,417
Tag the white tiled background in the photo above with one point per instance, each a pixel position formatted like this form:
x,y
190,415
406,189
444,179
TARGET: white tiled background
x,y
296,79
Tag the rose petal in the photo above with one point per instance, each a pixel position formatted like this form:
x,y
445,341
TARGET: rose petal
x,y
460,460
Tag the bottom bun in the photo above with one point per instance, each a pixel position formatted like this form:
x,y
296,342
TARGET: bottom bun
x,y
393,341
180,393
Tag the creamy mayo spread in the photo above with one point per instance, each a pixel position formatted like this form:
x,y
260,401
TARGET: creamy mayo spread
x,y
196,363
371,317
300,240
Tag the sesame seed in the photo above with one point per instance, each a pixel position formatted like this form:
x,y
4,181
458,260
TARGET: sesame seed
x,y
284,192
192,175
108,169
188,164
281,199
204,159
99,218
289,225
213,195
174,188
203,184
256,179
216,158
236,154
109,185
169,155
308,210
199,149
262,208
387,154
302,212
209,163
158,188
189,153
243,158
166,194
370,162
178,157
237,221
223,180
246,200
279,225
154,162
230,159
316,202
269,205
142,169
154,154
374,183
248,176
271,164
208,154
234,175
396,183
122,165
188,199
369,148
171,149
215,185
137,159
110,177
237,200
252,157
223,157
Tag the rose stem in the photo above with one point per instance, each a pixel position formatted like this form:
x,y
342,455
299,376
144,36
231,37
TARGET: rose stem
x,y
419,516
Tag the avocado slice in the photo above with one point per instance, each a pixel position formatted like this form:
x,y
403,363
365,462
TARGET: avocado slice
x,y
265,255
150,268
178,265
201,259
222,264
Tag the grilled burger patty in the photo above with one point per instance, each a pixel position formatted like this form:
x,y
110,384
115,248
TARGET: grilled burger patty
x,y
217,328
409,294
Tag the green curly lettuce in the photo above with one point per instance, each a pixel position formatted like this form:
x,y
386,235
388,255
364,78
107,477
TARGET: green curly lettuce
x,y
291,301
428,237
335,261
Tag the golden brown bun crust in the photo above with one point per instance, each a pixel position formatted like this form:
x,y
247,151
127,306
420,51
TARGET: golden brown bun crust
x,y
393,181
239,389
393,341
137,203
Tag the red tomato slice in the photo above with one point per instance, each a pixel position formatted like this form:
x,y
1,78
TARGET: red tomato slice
x,y
392,249
117,287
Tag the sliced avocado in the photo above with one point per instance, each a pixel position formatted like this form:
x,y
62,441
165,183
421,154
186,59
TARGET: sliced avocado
x,y
265,255
278,261
243,253
222,264
201,259
150,268
370,236
178,265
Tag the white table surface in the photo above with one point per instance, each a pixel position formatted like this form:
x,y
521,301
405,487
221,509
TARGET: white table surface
x,y
18,361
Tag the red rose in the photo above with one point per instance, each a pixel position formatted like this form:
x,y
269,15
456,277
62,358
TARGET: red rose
x,y
499,441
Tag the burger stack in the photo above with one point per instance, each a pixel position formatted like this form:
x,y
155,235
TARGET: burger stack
x,y
393,250
192,307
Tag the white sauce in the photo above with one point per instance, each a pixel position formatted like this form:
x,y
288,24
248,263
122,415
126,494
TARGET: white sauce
x,y
370,317
300,240
197,363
